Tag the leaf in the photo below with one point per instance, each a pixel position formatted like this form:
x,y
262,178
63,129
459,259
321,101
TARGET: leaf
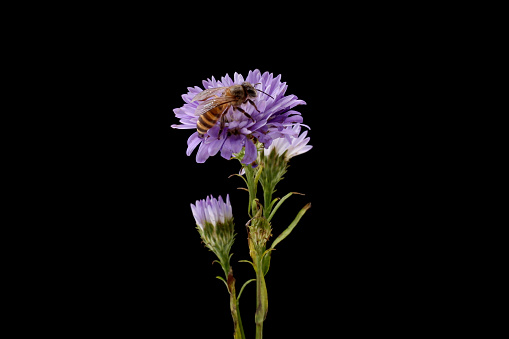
x,y
273,202
238,176
266,260
280,203
245,284
290,228
262,299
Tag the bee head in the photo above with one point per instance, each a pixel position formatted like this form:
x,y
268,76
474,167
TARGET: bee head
x,y
251,91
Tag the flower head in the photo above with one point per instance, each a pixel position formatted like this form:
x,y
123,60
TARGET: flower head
x,y
290,146
268,120
214,220
212,211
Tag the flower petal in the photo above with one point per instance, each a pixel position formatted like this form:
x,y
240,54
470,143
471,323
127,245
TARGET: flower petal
x,y
226,150
236,142
251,152
192,142
215,145
202,153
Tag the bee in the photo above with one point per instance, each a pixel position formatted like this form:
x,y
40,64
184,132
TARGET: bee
x,y
216,101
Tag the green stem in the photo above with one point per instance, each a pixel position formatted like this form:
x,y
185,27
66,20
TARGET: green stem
x,y
237,322
259,331
251,186
234,307
241,328
261,298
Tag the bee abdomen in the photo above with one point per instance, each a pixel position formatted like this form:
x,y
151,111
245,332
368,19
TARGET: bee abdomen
x,y
207,120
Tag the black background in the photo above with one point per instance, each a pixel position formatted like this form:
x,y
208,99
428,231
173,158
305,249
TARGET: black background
x,y
352,265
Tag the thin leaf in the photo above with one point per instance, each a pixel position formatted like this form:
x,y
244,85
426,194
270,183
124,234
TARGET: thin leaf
x,y
273,202
238,176
280,203
242,289
247,262
291,227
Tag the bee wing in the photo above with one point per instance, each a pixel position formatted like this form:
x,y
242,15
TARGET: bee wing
x,y
207,93
212,103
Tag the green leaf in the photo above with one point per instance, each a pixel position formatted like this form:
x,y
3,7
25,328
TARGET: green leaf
x,y
247,262
292,225
238,176
278,205
273,202
262,299
245,284
266,261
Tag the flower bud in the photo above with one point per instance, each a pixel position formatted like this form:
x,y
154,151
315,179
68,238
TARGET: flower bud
x,y
260,231
214,220
290,145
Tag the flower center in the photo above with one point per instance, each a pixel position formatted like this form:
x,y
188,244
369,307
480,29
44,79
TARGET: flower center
x,y
234,131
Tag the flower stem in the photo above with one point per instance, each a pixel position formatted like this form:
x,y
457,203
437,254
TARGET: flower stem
x,y
261,298
252,184
234,307
241,328
259,331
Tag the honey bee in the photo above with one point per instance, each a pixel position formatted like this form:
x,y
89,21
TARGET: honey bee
x,y
216,101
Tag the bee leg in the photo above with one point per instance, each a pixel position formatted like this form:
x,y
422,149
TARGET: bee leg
x,y
245,113
252,103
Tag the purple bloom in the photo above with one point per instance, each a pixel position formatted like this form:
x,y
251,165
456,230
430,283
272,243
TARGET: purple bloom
x,y
270,123
214,220
212,211
290,147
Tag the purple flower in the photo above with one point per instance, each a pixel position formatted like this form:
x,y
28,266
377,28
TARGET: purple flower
x,y
214,220
212,211
290,147
275,114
